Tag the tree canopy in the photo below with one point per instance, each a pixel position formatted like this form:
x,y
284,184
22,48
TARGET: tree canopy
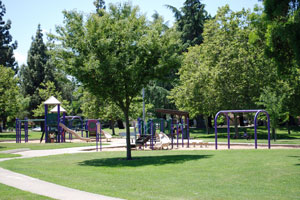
x,y
114,56
7,47
37,71
190,21
8,95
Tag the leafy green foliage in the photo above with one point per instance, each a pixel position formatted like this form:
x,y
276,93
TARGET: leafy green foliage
x,y
8,95
226,71
274,101
47,90
114,56
37,71
6,46
283,32
190,21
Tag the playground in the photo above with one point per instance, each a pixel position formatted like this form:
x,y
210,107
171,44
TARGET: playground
x,y
169,157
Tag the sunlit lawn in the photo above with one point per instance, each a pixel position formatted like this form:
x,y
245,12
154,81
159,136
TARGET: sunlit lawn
x,y
38,146
10,193
226,174
262,133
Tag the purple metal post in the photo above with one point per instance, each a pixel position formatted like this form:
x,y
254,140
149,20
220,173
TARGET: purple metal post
x,y
255,129
26,129
100,137
20,131
17,133
139,126
46,128
177,131
97,136
172,134
151,132
162,125
64,122
216,130
188,131
228,130
182,137
255,125
59,135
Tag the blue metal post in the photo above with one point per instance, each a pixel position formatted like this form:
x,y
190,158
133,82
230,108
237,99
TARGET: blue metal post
x,y
17,132
182,133
151,132
100,136
26,129
58,127
177,131
46,127
228,130
172,134
188,131
255,129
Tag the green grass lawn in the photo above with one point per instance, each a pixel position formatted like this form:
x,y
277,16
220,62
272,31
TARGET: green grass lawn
x,y
11,136
10,193
38,146
262,134
226,174
7,155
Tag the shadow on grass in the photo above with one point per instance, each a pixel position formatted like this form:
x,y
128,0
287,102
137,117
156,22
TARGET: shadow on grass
x,y
142,161
8,136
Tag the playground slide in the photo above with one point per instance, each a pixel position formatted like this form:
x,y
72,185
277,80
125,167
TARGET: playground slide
x,y
106,134
73,133
164,141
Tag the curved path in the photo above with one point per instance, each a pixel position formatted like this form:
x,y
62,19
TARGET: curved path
x,y
44,188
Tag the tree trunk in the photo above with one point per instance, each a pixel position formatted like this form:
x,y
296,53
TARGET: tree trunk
x,y
210,122
112,127
288,127
241,119
127,134
236,127
274,134
206,124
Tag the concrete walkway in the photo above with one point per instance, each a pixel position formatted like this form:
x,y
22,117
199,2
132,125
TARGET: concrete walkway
x,y
44,188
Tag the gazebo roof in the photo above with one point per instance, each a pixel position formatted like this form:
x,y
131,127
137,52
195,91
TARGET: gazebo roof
x,y
61,109
52,101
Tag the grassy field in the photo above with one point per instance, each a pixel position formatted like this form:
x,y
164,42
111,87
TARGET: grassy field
x,y
10,193
11,136
227,174
282,136
7,155
38,146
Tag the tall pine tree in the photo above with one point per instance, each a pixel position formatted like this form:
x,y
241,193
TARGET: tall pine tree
x,y
190,20
6,46
38,70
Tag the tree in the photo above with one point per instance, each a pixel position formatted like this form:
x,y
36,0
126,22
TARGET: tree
x,y
226,71
100,7
37,71
7,58
274,100
282,22
283,33
116,55
8,95
47,90
95,108
190,21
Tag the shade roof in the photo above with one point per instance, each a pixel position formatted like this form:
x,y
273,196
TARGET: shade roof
x,y
61,109
52,101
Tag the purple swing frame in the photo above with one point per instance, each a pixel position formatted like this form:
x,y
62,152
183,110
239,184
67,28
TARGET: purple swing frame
x,y
257,112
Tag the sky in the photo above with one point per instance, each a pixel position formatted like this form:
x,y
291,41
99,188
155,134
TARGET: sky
x,y
25,15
